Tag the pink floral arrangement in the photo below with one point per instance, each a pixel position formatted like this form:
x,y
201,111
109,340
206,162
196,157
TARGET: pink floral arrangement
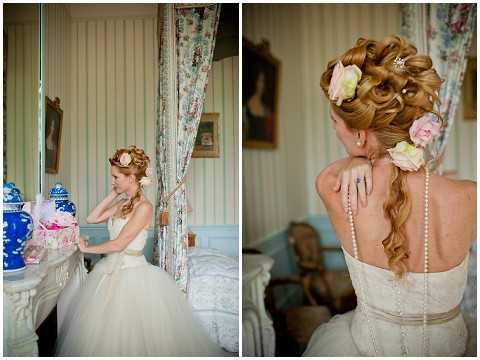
x,y
59,221
56,232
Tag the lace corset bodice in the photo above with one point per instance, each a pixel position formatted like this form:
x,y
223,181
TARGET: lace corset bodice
x,y
115,225
125,259
445,292
446,288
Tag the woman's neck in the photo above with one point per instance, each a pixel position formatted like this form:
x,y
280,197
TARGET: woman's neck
x,y
381,161
131,192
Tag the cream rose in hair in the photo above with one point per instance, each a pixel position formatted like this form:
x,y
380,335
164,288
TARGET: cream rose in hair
x,y
344,82
406,156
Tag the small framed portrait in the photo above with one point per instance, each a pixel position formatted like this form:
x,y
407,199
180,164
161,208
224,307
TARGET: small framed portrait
x,y
261,79
206,142
53,134
470,90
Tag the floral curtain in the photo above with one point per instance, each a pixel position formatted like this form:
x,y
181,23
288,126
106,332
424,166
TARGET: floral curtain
x,y
444,32
194,34
165,112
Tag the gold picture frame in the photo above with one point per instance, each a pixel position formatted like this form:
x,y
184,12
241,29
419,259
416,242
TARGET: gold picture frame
x,y
206,142
53,134
469,94
260,96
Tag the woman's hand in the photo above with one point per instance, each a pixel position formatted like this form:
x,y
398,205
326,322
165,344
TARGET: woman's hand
x,y
82,243
355,180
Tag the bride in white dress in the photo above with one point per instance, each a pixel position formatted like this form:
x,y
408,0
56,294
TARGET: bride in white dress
x,y
128,307
407,247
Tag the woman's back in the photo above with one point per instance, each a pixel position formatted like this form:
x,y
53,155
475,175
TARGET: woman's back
x,y
452,215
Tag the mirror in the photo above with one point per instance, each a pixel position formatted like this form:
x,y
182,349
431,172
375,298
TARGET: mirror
x,y
21,68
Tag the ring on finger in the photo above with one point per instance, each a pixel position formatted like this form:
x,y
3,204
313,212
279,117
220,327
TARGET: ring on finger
x,y
358,180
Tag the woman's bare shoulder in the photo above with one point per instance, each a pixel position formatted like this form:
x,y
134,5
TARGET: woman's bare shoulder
x,y
454,186
327,178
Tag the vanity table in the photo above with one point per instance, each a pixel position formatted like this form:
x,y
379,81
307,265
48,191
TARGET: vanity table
x,y
257,326
29,295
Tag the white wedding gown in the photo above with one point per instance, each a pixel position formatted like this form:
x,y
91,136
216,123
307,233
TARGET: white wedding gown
x,y
348,334
128,307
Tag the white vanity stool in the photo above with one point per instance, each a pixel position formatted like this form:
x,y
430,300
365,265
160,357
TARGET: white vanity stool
x,y
257,327
29,295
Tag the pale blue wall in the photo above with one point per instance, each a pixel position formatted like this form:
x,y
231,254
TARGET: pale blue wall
x,y
222,237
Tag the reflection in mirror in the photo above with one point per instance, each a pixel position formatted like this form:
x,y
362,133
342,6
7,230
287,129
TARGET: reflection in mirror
x,y
21,81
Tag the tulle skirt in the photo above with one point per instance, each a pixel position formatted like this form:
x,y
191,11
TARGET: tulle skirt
x,y
133,311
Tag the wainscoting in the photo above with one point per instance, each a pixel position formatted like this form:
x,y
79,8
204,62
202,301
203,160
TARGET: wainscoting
x,y
222,237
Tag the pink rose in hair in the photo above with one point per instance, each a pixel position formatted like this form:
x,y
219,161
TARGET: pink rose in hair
x,y
149,171
344,82
125,159
424,130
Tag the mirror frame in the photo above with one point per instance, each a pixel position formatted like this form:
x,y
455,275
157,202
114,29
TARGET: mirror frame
x,y
41,107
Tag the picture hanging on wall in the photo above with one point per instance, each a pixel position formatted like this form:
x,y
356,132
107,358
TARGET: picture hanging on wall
x,y
206,142
53,134
261,79
470,90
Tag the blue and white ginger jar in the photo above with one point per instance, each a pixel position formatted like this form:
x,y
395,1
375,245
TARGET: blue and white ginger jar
x,y
17,228
60,195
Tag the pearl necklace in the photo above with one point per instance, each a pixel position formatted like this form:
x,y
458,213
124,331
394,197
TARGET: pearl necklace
x,y
425,263
425,273
371,330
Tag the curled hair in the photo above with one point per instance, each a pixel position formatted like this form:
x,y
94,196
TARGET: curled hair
x,y
138,166
388,100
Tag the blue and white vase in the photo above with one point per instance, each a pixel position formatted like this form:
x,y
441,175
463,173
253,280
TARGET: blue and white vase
x,y
17,228
60,195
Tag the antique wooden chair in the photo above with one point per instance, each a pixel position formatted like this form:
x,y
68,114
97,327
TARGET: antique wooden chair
x,y
332,288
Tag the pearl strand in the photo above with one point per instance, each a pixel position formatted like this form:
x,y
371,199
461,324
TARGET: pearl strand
x,y
425,263
355,252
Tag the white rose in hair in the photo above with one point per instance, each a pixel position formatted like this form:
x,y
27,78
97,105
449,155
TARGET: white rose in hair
x,y
406,156
145,181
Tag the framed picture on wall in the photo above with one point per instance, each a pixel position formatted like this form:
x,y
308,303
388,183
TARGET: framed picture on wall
x,y
53,134
261,80
206,142
470,90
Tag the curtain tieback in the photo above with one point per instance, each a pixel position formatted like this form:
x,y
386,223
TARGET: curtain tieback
x,y
163,218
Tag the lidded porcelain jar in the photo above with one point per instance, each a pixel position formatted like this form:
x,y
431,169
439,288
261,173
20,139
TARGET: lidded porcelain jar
x,y
17,228
60,195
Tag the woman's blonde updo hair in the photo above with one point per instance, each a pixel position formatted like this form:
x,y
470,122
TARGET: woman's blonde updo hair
x,y
138,166
388,100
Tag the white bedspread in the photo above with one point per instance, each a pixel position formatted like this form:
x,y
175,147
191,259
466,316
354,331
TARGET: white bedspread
x,y
212,291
